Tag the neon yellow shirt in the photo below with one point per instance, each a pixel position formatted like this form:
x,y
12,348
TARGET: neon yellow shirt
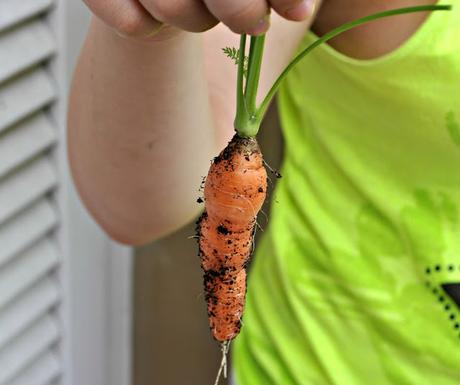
x,y
357,279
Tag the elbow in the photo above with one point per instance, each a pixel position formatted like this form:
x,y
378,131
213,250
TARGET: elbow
x,y
128,238
139,235
138,224
132,211
139,231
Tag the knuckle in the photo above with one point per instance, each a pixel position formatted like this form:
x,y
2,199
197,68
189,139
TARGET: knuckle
x,y
203,27
294,9
166,11
129,25
285,4
244,16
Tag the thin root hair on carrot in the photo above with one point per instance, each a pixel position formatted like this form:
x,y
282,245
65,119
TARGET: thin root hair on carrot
x,y
262,211
270,181
272,170
224,347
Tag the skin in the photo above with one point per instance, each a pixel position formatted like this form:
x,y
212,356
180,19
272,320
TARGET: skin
x,y
151,105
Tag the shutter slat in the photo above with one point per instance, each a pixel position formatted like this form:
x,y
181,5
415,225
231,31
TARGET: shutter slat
x,y
25,228
24,141
23,47
22,351
41,372
28,308
15,11
24,186
23,271
29,253
23,95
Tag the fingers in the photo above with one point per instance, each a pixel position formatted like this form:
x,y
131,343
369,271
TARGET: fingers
x,y
128,17
296,10
189,15
142,18
241,16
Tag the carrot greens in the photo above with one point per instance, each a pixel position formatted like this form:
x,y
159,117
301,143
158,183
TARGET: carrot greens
x,y
248,115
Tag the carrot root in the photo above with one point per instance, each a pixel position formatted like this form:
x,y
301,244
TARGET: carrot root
x,y
234,192
224,347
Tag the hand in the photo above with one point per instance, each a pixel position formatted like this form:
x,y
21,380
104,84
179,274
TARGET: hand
x,y
144,18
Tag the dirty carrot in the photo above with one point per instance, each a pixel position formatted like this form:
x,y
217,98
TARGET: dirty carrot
x,y
234,192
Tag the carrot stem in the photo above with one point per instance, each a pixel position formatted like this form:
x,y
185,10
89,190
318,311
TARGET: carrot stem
x,y
335,32
248,116
241,110
254,66
246,124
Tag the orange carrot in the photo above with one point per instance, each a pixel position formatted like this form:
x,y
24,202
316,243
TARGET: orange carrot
x,y
234,192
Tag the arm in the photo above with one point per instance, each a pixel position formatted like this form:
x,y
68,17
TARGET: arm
x,y
146,117
140,131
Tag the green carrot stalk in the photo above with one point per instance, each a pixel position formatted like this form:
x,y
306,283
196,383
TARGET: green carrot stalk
x,y
249,116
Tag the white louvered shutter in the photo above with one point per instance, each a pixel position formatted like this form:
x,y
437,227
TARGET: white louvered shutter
x,y
64,286
30,331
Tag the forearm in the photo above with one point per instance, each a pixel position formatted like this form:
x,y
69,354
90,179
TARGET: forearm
x,y
140,131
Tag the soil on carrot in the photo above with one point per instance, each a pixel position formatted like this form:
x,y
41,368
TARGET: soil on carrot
x,y
234,192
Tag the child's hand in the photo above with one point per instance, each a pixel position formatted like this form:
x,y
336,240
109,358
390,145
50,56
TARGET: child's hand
x,y
143,18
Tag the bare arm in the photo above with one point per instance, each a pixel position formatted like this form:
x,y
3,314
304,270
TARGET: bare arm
x,y
140,131
146,117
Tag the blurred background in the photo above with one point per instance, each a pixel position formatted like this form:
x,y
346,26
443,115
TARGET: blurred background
x,y
76,308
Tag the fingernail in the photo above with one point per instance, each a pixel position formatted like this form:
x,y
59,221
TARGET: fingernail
x,y
301,10
261,26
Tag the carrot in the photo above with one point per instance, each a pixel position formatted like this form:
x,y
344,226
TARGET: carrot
x,y
234,192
